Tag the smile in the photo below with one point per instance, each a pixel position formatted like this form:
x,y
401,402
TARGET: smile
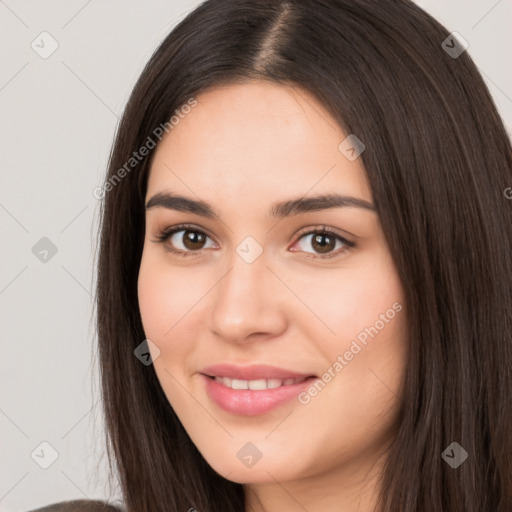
x,y
258,384
253,397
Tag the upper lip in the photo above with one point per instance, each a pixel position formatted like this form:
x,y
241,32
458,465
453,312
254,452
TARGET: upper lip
x,y
252,372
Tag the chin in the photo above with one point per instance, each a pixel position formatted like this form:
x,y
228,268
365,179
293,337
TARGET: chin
x,y
260,472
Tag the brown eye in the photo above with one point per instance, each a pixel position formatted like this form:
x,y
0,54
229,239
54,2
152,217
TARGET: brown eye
x,y
183,240
323,242
193,240
187,240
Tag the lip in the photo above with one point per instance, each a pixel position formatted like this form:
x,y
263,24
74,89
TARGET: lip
x,y
252,372
248,402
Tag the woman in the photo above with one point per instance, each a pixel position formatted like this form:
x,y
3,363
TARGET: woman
x,y
304,280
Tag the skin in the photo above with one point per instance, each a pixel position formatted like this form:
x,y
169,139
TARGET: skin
x,y
242,148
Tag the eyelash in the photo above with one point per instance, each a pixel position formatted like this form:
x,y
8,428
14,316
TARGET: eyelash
x,y
165,234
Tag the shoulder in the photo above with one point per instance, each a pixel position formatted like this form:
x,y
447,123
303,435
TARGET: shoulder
x,y
79,506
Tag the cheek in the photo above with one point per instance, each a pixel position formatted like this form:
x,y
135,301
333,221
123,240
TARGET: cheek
x,y
153,302
356,299
366,348
164,296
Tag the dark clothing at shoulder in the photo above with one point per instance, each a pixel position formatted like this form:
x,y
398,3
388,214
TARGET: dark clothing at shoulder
x,y
79,506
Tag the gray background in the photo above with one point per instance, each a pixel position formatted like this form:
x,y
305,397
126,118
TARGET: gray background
x,y
58,117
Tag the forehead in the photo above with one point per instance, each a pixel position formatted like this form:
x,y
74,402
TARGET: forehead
x,y
255,139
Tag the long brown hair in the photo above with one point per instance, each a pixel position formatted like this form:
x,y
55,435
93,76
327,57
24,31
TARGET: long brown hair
x,y
439,163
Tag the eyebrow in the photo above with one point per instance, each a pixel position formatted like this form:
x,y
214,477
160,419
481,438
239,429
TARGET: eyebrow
x,y
279,210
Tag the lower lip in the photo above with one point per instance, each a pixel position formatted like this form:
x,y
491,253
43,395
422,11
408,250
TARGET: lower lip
x,y
250,402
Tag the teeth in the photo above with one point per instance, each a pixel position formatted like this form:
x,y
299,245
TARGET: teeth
x,y
239,384
273,383
258,384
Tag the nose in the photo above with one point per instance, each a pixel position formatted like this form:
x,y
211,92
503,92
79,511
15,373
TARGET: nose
x,y
248,303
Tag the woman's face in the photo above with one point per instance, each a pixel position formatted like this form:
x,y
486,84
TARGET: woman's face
x,y
256,286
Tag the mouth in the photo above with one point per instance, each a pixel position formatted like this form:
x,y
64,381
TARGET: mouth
x,y
253,390
252,373
256,384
